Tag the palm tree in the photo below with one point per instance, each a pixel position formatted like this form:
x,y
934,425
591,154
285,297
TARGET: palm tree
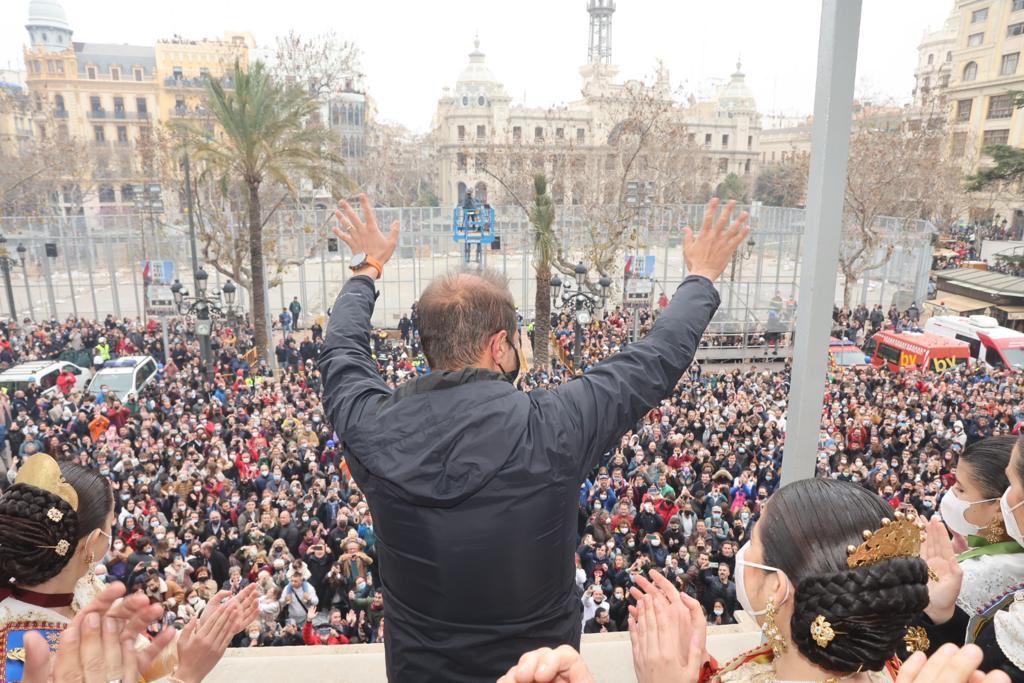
x,y
542,216
264,135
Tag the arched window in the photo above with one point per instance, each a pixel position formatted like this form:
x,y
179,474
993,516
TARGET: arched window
x,y
970,71
461,192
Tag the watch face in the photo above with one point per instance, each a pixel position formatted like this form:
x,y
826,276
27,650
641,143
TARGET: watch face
x,y
357,260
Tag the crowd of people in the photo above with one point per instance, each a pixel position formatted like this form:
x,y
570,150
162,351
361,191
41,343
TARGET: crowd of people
x,y
237,480
859,323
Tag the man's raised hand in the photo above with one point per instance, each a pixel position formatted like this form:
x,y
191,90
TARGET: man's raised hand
x,y
363,236
712,249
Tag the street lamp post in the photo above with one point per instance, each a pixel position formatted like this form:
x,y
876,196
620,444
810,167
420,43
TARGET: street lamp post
x,y
571,297
229,290
5,267
204,307
24,272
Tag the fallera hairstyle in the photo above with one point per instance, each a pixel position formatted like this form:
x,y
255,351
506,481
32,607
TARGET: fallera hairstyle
x,y
988,459
806,529
458,312
25,526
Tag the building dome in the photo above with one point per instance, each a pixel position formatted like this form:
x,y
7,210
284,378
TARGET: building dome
x,y
47,13
476,71
477,86
736,94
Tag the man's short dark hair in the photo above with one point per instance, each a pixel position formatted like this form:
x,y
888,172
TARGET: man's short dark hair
x,y
457,314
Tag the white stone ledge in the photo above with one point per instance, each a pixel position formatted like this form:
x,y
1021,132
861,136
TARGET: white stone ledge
x,y
608,655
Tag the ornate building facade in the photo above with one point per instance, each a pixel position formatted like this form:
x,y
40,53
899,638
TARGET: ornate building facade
x,y
477,120
108,97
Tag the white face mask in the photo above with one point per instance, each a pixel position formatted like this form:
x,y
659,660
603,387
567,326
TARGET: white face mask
x,y
1012,527
741,589
954,509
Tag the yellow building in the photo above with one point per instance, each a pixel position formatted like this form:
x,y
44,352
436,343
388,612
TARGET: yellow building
x,y
986,67
109,96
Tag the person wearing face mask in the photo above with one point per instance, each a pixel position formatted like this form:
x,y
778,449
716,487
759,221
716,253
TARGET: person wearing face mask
x,y
797,576
993,562
997,623
473,483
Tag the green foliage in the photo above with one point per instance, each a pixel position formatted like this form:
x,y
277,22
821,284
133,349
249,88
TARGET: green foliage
x,y
1009,167
733,187
264,133
263,136
783,185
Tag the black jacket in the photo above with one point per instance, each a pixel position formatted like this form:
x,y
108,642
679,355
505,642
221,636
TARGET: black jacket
x,y
474,486
955,631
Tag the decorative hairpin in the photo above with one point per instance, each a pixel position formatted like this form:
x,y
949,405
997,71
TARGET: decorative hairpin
x,y
61,548
899,537
822,631
54,515
917,639
43,472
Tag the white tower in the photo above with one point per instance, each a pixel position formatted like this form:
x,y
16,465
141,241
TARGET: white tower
x,y
600,12
48,26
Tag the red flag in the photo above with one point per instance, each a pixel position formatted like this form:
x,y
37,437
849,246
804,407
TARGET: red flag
x,y
145,271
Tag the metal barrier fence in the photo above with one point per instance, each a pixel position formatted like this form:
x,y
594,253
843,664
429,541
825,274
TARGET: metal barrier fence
x,y
97,270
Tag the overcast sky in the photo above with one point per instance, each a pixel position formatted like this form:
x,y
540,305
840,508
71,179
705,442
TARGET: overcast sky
x,y
413,48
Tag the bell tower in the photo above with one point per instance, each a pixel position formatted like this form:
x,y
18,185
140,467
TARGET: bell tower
x,y
600,12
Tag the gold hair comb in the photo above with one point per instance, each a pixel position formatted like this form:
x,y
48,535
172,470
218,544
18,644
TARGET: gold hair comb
x,y
899,537
44,473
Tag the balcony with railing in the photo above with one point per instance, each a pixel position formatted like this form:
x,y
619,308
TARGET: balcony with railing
x,y
195,83
97,114
190,112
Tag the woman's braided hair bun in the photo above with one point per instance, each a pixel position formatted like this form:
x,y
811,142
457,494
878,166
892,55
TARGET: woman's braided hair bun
x,y
30,535
868,608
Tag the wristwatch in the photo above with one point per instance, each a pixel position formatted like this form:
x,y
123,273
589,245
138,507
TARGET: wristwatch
x,y
360,261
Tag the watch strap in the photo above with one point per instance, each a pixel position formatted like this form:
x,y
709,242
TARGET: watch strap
x,y
373,263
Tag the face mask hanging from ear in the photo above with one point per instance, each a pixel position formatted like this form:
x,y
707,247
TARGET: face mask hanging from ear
x,y
741,589
511,376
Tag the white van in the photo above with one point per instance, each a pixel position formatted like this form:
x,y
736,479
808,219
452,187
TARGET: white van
x,y
123,376
998,346
42,374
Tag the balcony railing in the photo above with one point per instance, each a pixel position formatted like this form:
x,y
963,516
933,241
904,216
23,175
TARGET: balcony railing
x,y
61,113
190,112
195,83
97,113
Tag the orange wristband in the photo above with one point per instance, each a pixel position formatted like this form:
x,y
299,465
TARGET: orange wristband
x,y
370,261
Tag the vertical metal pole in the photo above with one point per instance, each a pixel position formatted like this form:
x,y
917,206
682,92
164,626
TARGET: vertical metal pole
x,y
830,147
113,279
71,281
90,268
191,224
140,312
323,277
302,277
167,344
5,266
48,276
28,290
